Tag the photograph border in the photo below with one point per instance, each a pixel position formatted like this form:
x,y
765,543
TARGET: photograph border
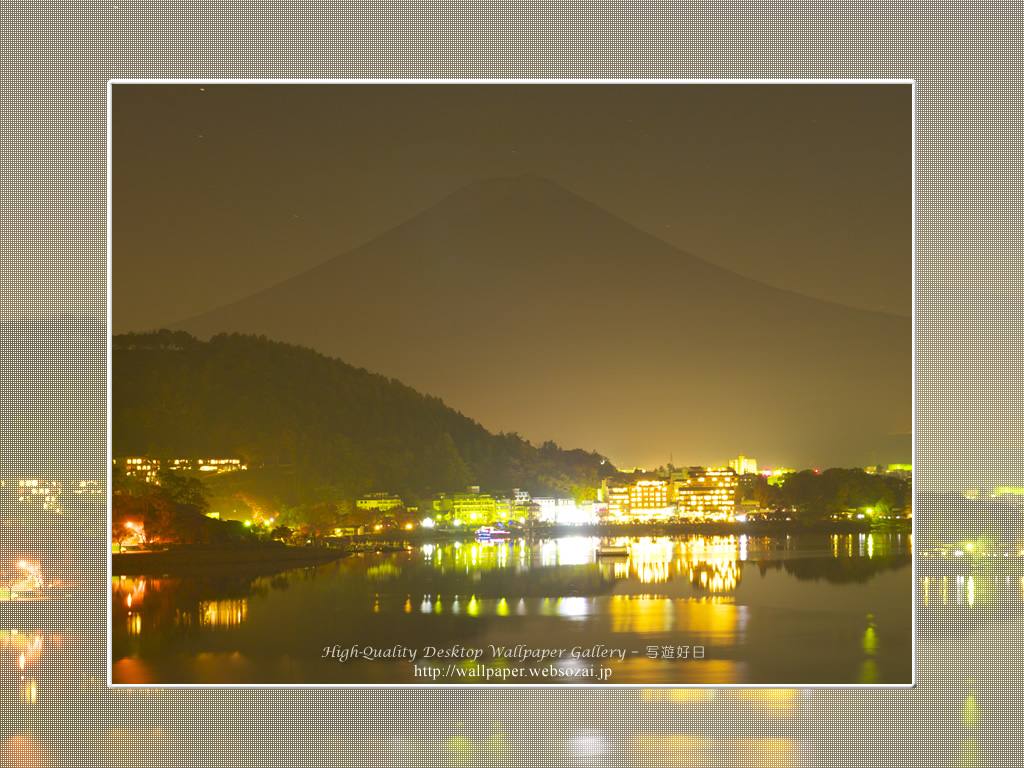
x,y
509,81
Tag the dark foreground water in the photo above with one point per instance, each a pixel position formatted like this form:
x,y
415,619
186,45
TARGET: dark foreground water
x,y
694,610
969,637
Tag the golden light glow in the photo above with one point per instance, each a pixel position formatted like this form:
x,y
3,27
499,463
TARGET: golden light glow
x,y
223,613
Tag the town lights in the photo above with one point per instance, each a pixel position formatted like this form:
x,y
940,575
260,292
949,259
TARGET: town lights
x,y
427,522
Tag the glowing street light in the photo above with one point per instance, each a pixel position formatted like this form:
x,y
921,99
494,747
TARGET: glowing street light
x,y
33,579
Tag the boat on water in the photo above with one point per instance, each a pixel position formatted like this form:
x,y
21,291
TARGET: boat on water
x,y
612,550
489,532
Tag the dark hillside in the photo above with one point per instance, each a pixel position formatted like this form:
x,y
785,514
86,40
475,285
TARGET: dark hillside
x,y
313,423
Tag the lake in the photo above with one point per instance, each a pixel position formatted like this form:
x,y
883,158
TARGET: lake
x,y
701,610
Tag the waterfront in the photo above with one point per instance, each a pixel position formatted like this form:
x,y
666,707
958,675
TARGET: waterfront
x,y
679,609
969,706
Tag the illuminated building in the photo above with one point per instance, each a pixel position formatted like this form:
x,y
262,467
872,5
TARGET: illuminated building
x,y
39,495
777,476
528,511
617,497
473,506
547,508
743,466
627,498
503,508
88,488
147,469
144,469
649,496
748,507
466,507
378,502
903,471
209,465
707,494
563,511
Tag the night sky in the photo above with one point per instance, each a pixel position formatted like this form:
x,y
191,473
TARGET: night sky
x,y
222,191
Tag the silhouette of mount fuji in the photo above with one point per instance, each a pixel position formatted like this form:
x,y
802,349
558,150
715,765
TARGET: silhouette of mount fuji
x,y
533,310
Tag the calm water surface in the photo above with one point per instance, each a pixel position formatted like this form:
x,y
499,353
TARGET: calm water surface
x,y
969,636
780,610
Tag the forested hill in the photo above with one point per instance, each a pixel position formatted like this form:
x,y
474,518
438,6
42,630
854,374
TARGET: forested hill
x,y
316,421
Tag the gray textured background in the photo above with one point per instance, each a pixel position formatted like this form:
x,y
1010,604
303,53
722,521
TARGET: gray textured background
x,y
56,62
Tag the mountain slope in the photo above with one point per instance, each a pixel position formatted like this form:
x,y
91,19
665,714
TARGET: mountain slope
x,y
317,425
537,311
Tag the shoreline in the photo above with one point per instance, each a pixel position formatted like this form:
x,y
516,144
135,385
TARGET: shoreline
x,y
273,558
615,530
187,561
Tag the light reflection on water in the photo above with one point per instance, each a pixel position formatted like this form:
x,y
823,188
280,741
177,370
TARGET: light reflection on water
x,y
970,709
706,722
794,609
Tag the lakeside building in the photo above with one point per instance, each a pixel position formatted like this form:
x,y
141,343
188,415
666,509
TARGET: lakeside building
x,y
563,511
651,499
526,512
378,502
748,506
502,507
616,496
514,504
473,507
465,508
632,497
743,466
476,508
707,494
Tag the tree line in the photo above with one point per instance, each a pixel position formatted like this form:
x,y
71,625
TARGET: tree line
x,y
314,429
817,495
